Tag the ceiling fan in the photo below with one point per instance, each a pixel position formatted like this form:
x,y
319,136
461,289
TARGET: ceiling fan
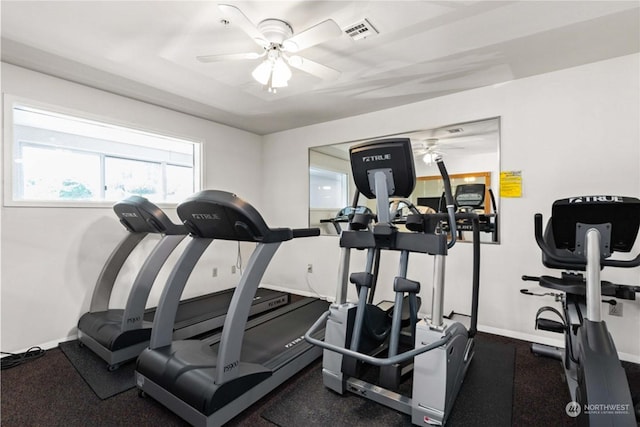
x,y
279,46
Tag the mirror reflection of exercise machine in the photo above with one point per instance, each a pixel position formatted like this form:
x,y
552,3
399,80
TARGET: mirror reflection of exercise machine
x,y
400,209
344,216
581,236
437,204
470,198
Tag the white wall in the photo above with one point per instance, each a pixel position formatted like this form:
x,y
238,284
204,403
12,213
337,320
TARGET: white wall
x,y
570,132
51,257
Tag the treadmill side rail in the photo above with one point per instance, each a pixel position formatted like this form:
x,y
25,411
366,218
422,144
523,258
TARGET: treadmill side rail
x,y
133,316
236,320
162,332
107,279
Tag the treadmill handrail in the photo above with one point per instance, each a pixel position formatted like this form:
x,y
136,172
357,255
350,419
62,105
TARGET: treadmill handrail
x,y
305,232
133,315
230,349
107,278
378,361
571,260
149,219
167,309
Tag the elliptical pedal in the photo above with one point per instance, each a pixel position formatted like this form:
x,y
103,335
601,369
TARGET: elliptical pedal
x,y
550,325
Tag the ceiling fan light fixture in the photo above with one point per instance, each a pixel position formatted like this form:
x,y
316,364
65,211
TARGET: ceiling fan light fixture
x,y
432,157
262,72
272,73
281,74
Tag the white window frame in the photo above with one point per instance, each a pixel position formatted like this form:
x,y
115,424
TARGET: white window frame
x,y
11,101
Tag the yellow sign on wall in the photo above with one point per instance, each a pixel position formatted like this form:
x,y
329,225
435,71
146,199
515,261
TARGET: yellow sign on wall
x,y
511,184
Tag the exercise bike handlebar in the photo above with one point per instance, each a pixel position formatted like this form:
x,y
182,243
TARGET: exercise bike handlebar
x,y
570,260
378,361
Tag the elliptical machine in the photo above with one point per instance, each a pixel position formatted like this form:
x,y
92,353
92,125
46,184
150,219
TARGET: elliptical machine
x,y
581,235
356,335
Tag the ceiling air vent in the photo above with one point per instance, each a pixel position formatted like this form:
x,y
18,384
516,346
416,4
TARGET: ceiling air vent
x,y
361,30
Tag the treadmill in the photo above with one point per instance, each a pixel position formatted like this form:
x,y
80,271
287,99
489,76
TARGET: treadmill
x,y
119,335
209,382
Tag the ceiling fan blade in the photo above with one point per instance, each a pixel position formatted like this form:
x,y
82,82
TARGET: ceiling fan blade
x,y
229,57
312,36
236,16
313,68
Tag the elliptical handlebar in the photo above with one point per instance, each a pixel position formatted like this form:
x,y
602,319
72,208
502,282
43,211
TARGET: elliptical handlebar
x,y
378,361
548,252
448,194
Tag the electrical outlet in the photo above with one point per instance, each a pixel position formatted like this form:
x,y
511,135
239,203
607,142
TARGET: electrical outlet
x,y
233,269
214,272
309,268
615,310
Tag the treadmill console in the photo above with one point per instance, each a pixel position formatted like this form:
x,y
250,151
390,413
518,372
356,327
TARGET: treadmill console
x,y
139,215
470,196
222,215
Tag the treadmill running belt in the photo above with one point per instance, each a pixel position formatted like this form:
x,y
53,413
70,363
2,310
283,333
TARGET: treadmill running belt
x,y
198,309
264,343
187,368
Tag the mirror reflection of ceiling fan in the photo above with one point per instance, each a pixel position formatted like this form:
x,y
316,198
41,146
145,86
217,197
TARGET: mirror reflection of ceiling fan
x,y
279,48
429,149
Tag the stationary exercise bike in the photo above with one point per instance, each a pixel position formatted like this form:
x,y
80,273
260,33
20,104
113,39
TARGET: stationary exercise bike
x,y
581,235
357,336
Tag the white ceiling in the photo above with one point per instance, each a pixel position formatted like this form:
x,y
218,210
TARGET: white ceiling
x,y
146,50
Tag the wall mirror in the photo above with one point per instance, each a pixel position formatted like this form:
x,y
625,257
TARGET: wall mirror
x,y
471,152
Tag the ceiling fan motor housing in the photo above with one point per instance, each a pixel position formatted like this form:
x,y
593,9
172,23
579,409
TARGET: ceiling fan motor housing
x,y
275,31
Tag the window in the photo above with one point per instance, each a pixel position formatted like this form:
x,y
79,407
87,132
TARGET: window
x,y
51,174
327,189
60,159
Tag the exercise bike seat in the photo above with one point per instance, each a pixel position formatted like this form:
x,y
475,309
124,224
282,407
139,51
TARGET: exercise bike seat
x,y
576,286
